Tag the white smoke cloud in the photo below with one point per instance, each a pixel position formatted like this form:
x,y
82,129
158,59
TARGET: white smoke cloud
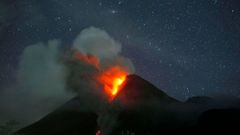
x,y
40,84
41,71
97,42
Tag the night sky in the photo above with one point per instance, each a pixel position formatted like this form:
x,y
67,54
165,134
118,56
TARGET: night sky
x,y
186,48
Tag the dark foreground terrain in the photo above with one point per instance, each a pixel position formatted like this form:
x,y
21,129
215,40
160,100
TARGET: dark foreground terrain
x,y
146,111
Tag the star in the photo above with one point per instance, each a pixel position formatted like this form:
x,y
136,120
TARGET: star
x,y
114,11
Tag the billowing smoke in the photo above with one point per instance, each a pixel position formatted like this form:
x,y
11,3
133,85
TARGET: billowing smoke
x,y
98,43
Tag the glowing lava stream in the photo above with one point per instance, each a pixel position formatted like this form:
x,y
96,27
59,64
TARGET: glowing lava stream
x,y
112,80
116,84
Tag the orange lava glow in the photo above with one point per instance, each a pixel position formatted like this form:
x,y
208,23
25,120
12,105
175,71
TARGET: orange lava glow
x,y
87,58
112,79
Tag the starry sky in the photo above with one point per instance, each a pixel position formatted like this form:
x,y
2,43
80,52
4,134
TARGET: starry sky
x,y
186,48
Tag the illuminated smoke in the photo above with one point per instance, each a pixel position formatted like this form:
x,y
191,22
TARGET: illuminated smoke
x,y
96,72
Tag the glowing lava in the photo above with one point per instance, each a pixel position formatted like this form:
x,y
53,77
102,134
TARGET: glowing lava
x,y
112,79
98,132
116,83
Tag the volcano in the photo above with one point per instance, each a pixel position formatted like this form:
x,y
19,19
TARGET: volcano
x,y
145,110
137,92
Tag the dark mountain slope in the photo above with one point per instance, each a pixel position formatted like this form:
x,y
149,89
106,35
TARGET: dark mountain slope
x,y
145,110
63,123
137,90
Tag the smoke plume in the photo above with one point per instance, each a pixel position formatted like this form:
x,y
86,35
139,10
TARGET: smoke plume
x,y
48,77
93,52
